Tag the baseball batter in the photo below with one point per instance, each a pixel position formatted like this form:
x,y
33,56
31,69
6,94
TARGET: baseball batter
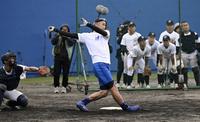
x,y
97,45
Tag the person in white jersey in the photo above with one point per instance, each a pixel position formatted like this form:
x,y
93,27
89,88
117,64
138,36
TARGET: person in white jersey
x,y
174,38
166,61
137,61
129,40
97,45
153,44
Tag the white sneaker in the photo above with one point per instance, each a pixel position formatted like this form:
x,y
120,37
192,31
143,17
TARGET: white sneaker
x,y
117,85
185,87
63,90
159,86
171,85
148,86
137,86
163,85
176,85
123,86
129,87
56,90
142,86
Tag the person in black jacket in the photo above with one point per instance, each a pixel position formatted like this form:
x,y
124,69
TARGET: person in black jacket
x,y
189,49
121,30
62,51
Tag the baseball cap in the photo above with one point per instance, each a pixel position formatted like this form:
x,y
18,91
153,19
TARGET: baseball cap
x,y
141,38
169,22
152,34
166,38
131,24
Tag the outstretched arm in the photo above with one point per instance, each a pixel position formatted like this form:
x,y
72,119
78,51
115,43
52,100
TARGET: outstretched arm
x,y
68,34
31,69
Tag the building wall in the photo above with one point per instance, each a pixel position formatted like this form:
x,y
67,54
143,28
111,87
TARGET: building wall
x,y
24,23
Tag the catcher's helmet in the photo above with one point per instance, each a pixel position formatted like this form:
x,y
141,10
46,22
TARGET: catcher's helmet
x,y
6,56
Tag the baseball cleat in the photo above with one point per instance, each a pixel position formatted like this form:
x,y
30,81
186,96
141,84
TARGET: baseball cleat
x,y
134,108
148,86
159,86
117,85
129,87
80,105
56,90
63,90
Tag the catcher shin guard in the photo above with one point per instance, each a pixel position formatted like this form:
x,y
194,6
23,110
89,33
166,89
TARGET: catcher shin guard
x,y
195,71
140,78
146,79
22,100
160,79
2,90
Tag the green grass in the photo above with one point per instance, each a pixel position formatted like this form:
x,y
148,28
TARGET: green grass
x,y
90,78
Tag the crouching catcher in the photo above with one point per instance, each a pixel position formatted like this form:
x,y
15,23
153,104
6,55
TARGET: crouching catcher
x,y
9,80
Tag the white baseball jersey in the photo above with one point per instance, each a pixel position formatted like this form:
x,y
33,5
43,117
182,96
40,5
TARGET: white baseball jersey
x,y
97,46
130,40
153,47
166,52
139,53
174,36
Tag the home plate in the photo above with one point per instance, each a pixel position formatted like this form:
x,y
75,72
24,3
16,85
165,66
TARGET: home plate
x,y
111,108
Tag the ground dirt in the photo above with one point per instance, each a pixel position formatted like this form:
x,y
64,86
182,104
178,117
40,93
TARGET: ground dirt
x,y
164,106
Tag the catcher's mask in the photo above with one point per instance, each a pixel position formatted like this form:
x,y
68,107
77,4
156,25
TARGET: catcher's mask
x,y
9,58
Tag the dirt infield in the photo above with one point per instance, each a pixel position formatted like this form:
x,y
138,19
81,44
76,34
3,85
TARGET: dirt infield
x,y
44,106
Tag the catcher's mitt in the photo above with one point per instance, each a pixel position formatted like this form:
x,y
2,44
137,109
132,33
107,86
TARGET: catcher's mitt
x,y
44,70
147,71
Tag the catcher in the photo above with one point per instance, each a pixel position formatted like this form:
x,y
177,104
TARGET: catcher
x,y
138,61
9,80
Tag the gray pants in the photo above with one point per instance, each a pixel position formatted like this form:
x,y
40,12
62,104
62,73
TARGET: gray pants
x,y
189,59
